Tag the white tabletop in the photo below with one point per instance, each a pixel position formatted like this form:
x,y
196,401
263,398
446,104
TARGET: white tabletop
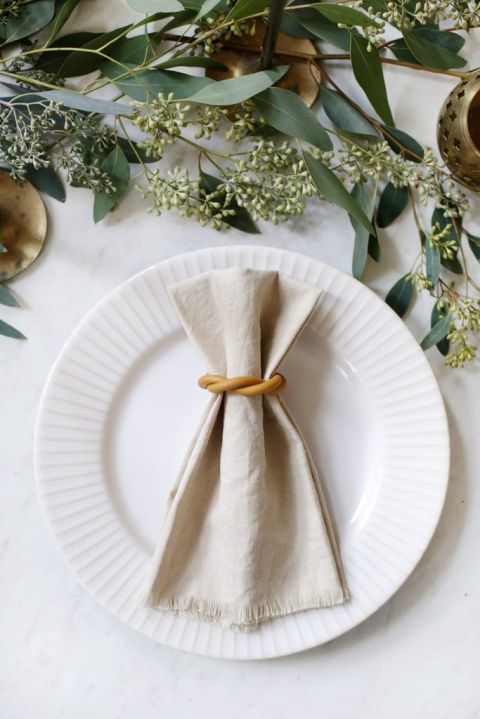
x,y
64,656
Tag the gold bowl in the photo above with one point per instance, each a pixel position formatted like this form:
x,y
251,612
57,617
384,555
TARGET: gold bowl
x,y
23,225
242,55
458,131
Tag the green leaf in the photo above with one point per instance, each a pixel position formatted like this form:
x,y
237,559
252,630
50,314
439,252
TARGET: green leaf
x,y
9,331
238,89
117,167
322,28
362,236
448,224
70,98
6,297
192,61
438,332
374,249
155,5
53,61
291,26
400,296
452,265
431,54
242,219
439,313
134,50
46,180
432,257
474,244
393,201
343,115
31,18
409,147
343,15
207,8
448,40
134,154
328,184
88,58
368,72
286,112
245,8
61,18
145,84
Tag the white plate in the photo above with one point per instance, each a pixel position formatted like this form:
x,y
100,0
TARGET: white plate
x,y
112,430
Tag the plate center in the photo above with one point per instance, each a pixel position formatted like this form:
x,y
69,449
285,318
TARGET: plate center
x,y
158,407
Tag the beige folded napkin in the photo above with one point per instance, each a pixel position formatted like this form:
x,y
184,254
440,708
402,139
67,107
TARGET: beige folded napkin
x,y
246,536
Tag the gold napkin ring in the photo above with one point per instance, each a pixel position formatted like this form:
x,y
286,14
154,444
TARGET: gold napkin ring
x,y
247,386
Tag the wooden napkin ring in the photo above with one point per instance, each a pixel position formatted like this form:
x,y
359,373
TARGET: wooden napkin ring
x,y
247,386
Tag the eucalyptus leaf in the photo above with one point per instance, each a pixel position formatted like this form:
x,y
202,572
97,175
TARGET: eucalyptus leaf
x,y
46,180
328,184
291,26
448,40
430,54
452,264
6,297
374,249
343,115
439,313
61,18
169,6
286,112
31,18
52,62
438,332
88,57
133,153
9,331
321,28
207,8
135,50
404,144
447,224
368,72
118,169
193,61
242,219
145,84
400,296
474,244
342,14
245,8
393,201
85,102
362,236
238,89
432,259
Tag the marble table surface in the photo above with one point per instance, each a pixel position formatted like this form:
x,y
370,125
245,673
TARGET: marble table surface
x,y
64,656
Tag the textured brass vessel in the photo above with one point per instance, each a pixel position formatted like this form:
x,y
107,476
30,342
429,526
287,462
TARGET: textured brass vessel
x,y
458,131
242,56
23,225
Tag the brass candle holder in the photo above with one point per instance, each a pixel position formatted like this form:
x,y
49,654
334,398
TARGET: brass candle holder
x,y
458,132
23,225
246,54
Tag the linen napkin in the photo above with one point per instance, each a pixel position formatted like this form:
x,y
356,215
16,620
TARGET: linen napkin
x,y
246,535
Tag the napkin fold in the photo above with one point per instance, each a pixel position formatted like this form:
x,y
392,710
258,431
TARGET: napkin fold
x,y
246,535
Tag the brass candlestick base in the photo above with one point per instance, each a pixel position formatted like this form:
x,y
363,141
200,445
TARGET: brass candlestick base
x,y
458,132
243,54
23,225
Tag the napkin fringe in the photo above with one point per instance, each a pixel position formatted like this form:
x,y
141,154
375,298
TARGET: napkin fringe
x,y
243,618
